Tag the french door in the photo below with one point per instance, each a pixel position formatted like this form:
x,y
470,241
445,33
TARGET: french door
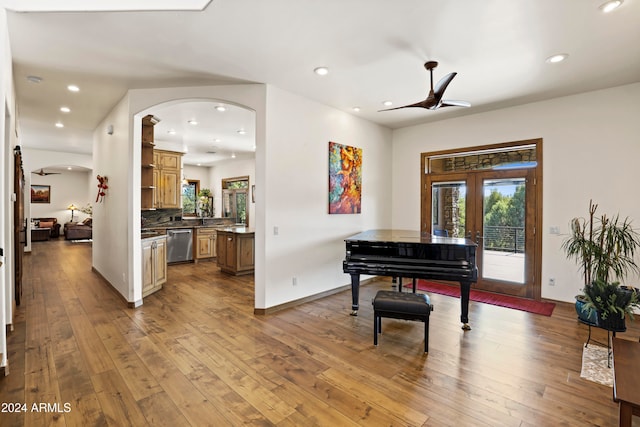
x,y
497,210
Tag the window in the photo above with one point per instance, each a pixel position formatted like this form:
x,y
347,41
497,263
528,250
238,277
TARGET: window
x,y
189,195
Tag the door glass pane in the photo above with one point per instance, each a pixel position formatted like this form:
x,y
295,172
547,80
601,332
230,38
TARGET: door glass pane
x,y
241,204
448,202
228,205
503,229
189,199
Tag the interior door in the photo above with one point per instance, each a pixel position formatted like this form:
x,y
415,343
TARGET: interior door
x,y
19,232
496,209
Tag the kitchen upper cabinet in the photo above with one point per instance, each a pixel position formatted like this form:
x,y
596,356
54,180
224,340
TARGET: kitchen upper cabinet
x,y
167,179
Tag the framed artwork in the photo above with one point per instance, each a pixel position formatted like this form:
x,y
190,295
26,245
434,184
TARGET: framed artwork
x,y
345,179
40,194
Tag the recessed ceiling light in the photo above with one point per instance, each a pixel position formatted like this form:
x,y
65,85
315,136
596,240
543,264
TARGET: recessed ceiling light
x,y
59,125
387,103
34,79
73,88
193,122
69,168
557,58
198,164
221,108
217,140
321,71
171,132
65,109
610,6
233,155
356,109
242,131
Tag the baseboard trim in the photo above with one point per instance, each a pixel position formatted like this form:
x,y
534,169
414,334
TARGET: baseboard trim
x,y
129,304
295,303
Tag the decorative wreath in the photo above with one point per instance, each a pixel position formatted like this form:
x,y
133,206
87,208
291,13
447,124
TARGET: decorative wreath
x,y
102,187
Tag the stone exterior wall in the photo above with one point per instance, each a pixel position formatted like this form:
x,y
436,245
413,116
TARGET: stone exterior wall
x,y
482,161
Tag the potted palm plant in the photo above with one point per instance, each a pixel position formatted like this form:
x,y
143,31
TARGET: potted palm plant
x,y
604,249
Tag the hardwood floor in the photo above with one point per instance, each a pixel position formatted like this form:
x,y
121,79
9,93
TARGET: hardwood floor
x,y
195,354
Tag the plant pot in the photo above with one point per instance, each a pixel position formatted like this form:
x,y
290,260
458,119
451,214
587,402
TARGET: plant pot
x,y
585,315
613,323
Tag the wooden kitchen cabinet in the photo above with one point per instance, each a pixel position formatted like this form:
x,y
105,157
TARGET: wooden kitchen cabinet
x,y
167,179
205,243
154,264
235,250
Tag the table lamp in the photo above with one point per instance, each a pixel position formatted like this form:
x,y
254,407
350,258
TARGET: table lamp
x,y
72,208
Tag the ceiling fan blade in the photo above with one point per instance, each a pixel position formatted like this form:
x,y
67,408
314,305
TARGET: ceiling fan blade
x,y
41,172
442,84
453,103
420,104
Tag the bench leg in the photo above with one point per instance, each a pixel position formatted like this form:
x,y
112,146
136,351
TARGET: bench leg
x,y
376,326
426,334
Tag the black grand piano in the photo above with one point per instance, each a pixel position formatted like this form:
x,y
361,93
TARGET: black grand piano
x,y
404,253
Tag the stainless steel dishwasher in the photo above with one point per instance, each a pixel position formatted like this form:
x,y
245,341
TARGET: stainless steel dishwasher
x,y
179,245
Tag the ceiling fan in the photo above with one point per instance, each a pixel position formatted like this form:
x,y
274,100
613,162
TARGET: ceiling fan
x,y
43,173
434,100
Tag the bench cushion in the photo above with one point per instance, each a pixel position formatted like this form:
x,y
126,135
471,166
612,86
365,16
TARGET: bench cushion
x,y
402,303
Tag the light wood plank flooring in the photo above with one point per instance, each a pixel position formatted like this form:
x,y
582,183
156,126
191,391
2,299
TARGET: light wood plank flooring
x,y
195,355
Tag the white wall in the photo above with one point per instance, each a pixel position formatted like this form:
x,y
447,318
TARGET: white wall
x,y
591,148
310,242
7,133
112,241
198,173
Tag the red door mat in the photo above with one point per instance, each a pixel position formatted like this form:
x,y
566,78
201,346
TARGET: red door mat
x,y
523,304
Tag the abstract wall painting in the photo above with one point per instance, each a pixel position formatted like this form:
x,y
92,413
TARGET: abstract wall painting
x,y
345,179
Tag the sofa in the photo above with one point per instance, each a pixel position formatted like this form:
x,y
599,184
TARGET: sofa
x,y
51,223
78,231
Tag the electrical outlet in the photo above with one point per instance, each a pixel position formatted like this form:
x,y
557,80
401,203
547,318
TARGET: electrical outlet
x,y
294,281
552,281
276,230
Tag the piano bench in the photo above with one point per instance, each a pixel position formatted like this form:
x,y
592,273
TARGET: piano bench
x,y
401,305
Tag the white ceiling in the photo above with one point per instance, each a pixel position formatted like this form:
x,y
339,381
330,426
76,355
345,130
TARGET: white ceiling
x,y
375,50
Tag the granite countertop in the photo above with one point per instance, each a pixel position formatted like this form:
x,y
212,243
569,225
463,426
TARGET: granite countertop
x,y
189,224
149,234
237,229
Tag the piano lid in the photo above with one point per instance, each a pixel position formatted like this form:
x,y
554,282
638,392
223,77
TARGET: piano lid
x,y
406,236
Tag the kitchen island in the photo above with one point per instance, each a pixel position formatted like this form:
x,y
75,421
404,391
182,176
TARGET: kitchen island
x,y
235,250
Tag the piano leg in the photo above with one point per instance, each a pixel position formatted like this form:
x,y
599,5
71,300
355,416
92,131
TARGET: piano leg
x,y
355,293
465,288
